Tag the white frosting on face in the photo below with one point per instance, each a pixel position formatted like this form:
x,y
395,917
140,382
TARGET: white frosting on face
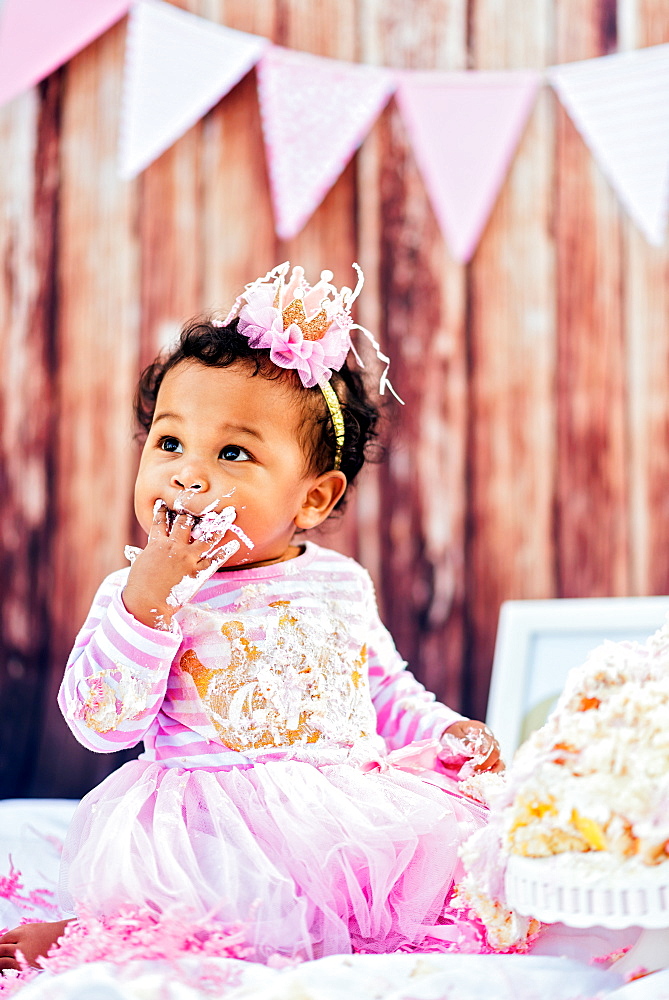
x,y
213,524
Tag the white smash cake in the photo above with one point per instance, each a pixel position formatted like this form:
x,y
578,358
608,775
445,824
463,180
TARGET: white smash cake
x,y
591,784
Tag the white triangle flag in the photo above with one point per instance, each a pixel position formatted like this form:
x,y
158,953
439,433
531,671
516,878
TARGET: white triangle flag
x,y
177,67
315,113
620,105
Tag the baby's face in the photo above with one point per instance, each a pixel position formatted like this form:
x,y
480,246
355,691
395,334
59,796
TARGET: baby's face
x,y
221,436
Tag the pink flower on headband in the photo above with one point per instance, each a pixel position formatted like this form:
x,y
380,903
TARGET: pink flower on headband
x,y
304,328
273,314
314,360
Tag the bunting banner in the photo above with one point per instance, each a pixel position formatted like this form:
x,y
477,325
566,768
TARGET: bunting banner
x,y
620,105
315,113
177,67
464,129
38,36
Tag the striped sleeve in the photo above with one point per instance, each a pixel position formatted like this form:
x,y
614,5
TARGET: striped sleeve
x,y
405,711
116,675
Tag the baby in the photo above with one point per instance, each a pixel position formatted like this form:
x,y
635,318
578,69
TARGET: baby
x,y
253,665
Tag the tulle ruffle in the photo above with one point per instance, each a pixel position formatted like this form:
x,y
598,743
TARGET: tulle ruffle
x,y
316,861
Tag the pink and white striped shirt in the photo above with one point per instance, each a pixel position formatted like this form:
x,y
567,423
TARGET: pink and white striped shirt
x,y
290,658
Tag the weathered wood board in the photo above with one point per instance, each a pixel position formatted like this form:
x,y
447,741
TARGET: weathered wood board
x,y
532,455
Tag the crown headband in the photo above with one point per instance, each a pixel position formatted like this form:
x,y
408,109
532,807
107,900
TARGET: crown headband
x,y
307,329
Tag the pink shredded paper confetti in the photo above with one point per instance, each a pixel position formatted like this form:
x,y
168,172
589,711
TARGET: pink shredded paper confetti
x,y
140,935
11,888
143,935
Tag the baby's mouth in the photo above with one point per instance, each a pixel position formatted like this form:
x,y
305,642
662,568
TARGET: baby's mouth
x,y
173,514
180,507
209,523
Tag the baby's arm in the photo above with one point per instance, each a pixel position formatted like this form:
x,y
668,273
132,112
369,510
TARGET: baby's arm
x,y
406,712
116,676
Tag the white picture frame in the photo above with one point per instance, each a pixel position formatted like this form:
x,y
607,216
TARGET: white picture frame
x,y
538,642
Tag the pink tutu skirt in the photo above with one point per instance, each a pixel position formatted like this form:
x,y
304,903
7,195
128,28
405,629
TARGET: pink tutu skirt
x,y
315,860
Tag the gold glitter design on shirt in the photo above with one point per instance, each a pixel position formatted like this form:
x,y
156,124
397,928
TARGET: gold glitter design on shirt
x,y
113,697
282,682
356,675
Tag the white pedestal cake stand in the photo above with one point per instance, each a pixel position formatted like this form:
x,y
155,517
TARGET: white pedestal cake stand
x,y
595,889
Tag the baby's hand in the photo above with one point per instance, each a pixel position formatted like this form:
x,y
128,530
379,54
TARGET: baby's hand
x,y
171,569
32,940
480,744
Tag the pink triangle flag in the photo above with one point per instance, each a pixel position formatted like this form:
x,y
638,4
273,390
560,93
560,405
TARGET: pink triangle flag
x,y
38,36
315,113
177,67
464,129
620,105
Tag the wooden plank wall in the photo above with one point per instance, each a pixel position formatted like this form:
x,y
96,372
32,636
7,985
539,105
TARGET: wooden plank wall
x,y
532,457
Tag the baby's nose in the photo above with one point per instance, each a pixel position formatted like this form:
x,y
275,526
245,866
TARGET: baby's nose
x,y
189,482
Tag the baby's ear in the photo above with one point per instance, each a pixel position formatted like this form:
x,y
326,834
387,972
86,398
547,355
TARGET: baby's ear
x,y
321,497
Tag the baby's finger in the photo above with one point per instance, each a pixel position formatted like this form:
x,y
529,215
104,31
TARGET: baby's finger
x,y
182,525
159,526
8,958
221,552
215,525
490,759
9,963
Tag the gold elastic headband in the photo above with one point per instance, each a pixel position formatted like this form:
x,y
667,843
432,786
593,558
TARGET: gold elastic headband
x,y
337,420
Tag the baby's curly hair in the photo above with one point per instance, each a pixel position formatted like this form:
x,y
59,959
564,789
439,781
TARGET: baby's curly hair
x,y
217,346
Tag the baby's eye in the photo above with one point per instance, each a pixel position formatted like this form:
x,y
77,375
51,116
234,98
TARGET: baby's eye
x,y
170,444
233,453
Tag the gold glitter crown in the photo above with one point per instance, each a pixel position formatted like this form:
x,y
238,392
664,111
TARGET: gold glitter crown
x,y
294,296
312,329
